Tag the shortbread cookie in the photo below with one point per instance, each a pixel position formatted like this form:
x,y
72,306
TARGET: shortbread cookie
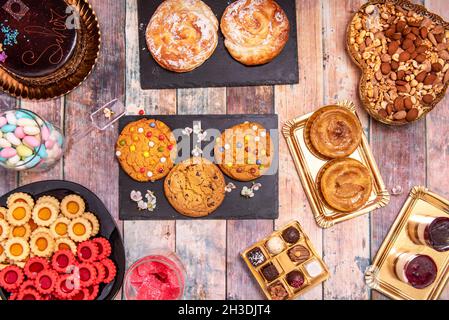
x,y
245,151
195,187
146,150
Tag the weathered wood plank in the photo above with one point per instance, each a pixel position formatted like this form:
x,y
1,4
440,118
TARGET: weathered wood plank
x,y
295,100
202,244
141,237
437,137
242,234
347,266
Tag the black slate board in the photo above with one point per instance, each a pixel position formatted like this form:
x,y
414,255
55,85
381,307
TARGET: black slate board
x,y
265,204
108,229
220,70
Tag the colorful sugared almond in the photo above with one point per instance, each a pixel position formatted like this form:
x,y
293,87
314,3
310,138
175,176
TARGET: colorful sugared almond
x,y
46,281
66,287
72,206
80,230
18,214
20,197
104,248
59,228
29,294
62,260
66,244
93,221
42,244
87,251
23,231
4,229
101,272
48,199
111,270
3,211
87,274
11,278
17,249
44,214
2,252
34,266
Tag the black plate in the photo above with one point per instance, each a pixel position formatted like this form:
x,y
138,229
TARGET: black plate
x,y
108,229
220,70
265,204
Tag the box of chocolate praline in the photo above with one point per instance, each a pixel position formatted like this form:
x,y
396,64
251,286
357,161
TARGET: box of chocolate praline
x,y
286,264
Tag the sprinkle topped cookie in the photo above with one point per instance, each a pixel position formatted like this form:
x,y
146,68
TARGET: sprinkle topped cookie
x,y
245,151
146,150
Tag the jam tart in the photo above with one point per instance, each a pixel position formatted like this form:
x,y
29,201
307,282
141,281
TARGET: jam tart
x,y
29,294
66,287
3,211
41,230
34,266
104,248
46,281
17,249
27,284
4,229
101,272
11,278
72,206
110,269
2,252
66,244
87,251
48,199
83,294
18,214
87,274
93,221
345,184
93,292
80,229
59,228
44,214
23,231
42,244
62,259
20,197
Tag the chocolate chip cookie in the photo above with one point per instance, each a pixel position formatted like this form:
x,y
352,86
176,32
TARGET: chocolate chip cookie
x,y
146,150
195,187
245,151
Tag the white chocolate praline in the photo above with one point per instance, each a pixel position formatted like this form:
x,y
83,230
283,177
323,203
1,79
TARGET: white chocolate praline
x,y
401,265
313,268
275,245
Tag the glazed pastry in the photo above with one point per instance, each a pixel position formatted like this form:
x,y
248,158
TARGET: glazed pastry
x,y
346,184
245,151
335,132
195,187
146,150
182,34
256,31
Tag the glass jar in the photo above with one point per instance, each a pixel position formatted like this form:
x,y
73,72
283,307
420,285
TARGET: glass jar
x,y
158,276
430,231
29,142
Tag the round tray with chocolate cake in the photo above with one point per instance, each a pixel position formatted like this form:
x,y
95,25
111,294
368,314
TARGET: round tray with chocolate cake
x,y
46,48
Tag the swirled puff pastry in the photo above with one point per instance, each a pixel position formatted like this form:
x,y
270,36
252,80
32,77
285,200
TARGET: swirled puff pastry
x,y
256,31
182,34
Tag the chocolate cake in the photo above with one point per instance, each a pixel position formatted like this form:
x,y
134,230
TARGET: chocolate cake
x,y
37,37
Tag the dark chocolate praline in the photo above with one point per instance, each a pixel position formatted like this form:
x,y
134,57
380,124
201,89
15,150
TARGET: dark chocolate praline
x,y
270,272
291,235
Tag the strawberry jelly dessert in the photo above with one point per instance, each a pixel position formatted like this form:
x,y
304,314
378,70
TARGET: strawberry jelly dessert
x,y
430,231
156,277
419,271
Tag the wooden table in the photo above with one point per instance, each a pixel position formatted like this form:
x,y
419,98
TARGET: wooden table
x,y
414,155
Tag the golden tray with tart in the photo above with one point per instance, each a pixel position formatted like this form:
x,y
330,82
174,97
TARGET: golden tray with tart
x,y
413,261
285,264
402,50
356,161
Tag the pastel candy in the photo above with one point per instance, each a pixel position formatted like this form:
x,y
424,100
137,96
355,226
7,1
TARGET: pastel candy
x,y
49,144
25,122
22,114
31,162
45,132
19,133
8,153
8,128
4,143
31,131
13,160
11,117
2,159
43,152
3,121
24,151
13,139
31,141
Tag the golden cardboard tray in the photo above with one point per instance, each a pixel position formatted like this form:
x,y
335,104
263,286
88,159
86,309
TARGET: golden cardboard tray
x,y
407,5
381,275
284,264
72,74
308,166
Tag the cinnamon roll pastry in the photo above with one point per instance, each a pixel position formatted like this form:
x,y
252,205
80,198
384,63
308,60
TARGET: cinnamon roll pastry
x,y
182,34
256,31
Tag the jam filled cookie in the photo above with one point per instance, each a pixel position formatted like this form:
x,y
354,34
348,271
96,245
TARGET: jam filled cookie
x,y
146,150
17,249
345,184
256,31
44,214
18,214
4,229
182,34
195,187
23,231
20,197
48,199
59,228
72,206
80,230
93,221
245,151
42,244
3,212
2,252
66,244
